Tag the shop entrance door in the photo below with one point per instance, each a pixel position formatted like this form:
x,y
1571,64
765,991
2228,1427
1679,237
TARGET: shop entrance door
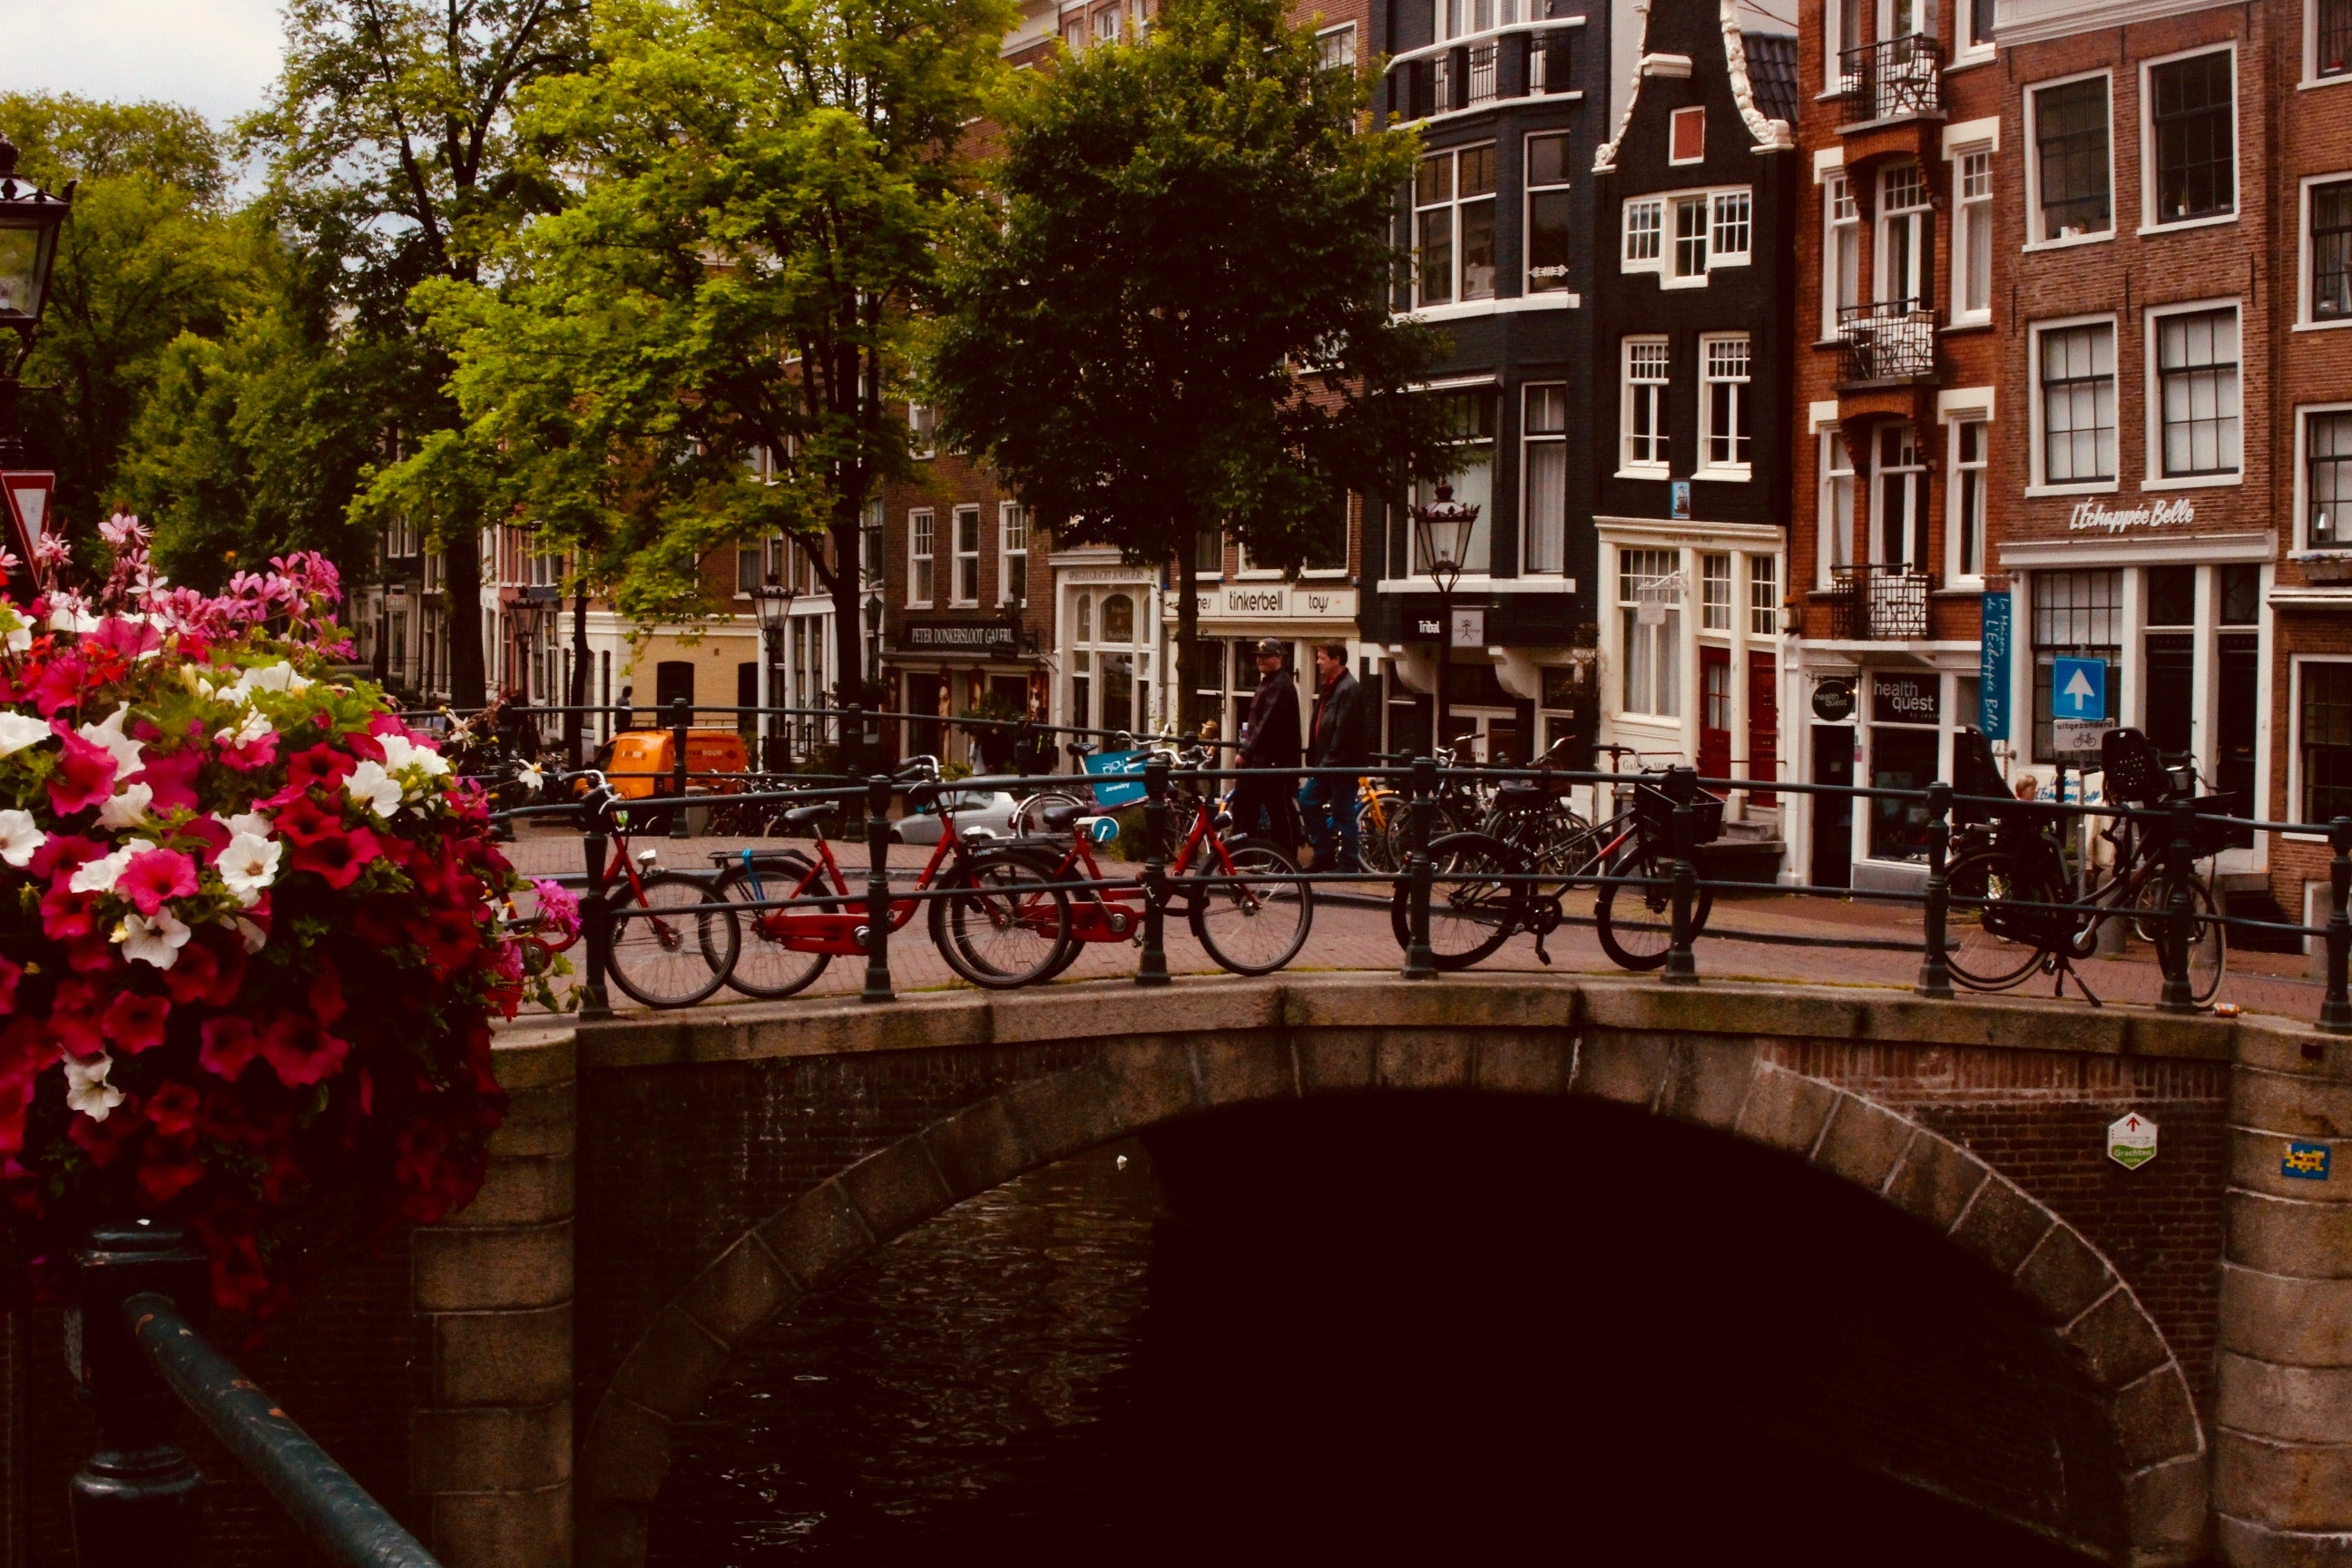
x,y
1833,813
2171,693
1763,725
2234,761
1714,713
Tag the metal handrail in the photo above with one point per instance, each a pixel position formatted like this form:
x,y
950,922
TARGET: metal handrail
x,y
1879,602
1888,340
1894,78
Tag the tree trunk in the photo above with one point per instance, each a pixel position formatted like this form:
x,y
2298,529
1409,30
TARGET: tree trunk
x,y
575,721
461,588
848,612
1188,634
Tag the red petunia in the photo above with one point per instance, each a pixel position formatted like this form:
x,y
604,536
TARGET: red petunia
x,y
300,1051
229,1045
103,1142
168,1170
63,853
210,970
74,1018
300,820
9,974
319,764
327,996
153,877
66,915
84,775
172,1109
338,858
135,1021
450,937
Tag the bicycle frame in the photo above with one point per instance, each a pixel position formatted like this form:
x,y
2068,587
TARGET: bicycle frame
x,y
1114,913
840,933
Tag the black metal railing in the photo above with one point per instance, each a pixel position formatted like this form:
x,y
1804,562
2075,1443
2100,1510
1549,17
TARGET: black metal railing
x,y
136,1348
1894,79
1888,340
1520,63
1878,602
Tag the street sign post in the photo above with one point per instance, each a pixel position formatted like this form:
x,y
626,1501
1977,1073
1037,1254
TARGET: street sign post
x,y
2078,704
2131,1141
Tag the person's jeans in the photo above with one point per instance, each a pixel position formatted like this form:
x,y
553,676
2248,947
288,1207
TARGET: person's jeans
x,y
1323,801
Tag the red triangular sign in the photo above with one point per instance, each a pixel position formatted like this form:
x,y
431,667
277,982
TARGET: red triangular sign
x,y
27,494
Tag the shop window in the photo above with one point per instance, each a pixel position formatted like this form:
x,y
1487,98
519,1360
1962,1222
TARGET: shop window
x,y
2328,251
2171,595
2197,380
1649,600
2193,135
2075,370
1551,216
1454,226
2324,734
1905,742
2327,479
2072,159
2079,613
1544,441
1715,593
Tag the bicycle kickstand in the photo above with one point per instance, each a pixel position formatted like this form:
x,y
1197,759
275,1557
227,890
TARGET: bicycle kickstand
x,y
2062,965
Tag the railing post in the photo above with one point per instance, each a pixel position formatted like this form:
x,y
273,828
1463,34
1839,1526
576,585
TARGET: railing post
x,y
1153,971
1682,965
680,715
2179,920
1934,962
134,1504
2335,1012
877,891
595,925
1420,962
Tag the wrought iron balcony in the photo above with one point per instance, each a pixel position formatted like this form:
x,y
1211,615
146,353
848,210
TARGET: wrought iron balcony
x,y
1888,340
1519,62
1894,78
1878,602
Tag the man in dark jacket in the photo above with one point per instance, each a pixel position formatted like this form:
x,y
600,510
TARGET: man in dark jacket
x,y
1339,737
1269,740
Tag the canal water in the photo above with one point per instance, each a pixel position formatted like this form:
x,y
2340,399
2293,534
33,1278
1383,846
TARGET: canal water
x,y
1060,1371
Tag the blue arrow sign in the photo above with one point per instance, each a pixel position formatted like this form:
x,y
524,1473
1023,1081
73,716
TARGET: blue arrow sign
x,y
2078,689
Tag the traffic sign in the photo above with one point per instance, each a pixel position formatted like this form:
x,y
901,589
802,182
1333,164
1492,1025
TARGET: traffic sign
x,y
2131,1141
2078,689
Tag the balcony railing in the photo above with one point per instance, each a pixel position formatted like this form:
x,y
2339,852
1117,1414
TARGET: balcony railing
x,y
1878,602
1525,63
1888,340
1894,78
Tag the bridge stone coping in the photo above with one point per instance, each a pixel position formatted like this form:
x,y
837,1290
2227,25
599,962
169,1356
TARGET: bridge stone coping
x,y
1697,1055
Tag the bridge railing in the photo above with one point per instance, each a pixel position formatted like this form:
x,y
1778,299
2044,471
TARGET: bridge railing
x,y
139,1355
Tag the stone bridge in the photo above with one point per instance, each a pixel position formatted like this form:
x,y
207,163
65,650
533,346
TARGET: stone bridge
x,y
1950,1282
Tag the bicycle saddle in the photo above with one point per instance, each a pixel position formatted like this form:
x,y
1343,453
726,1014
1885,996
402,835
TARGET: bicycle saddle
x,y
801,815
1060,815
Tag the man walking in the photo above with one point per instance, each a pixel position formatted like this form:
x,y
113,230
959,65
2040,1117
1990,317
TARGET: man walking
x,y
1339,738
1269,740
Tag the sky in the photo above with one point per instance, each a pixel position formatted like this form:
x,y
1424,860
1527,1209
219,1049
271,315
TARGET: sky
x,y
217,57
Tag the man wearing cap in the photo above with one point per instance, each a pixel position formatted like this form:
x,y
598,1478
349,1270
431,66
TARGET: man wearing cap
x,y
1269,740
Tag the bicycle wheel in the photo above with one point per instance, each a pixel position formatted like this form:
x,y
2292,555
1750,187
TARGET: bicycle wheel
x,y
1250,927
1470,913
1985,960
766,967
1001,923
1636,922
674,944
1025,817
2209,951
1373,820
1554,838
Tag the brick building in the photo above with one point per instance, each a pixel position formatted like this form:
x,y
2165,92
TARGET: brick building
x,y
1899,303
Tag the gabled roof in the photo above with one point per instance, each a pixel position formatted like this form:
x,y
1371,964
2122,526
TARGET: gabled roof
x,y
1762,68
1772,74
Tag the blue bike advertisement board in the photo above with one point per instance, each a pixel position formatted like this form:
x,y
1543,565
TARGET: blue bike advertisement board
x,y
1127,767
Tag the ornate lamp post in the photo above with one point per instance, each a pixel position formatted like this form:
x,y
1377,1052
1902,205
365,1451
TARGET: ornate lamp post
x,y
775,603
29,221
1442,527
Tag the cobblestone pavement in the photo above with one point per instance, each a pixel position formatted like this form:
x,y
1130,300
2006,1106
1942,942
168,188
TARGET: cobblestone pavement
x,y
1352,932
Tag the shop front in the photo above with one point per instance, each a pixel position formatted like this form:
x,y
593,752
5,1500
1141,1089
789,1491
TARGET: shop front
x,y
1237,616
1106,644
961,668
1886,726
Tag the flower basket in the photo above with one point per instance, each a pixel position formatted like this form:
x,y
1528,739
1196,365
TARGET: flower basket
x,y
2325,565
248,948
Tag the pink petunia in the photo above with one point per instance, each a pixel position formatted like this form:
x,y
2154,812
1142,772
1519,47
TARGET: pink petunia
x,y
84,775
135,1023
153,877
172,777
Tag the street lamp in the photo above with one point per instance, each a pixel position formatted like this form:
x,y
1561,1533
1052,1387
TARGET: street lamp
x,y
775,605
29,221
1444,528
871,740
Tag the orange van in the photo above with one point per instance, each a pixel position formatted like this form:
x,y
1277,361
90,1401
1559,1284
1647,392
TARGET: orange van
x,y
644,766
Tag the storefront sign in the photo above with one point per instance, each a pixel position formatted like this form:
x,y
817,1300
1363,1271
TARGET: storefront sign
x,y
1470,628
1277,602
1833,700
1993,685
956,637
2131,1141
1906,698
2097,516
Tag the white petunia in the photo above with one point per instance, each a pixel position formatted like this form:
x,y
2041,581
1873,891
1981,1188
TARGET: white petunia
x,y
20,639
19,730
19,838
371,786
533,776
86,1090
248,865
128,806
279,677
255,727
107,732
249,932
155,939
99,876
253,823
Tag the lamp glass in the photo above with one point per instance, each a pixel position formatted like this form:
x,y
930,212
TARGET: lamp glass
x,y
21,273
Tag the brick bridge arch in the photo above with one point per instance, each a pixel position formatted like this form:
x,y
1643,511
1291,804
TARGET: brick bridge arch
x,y
1308,1038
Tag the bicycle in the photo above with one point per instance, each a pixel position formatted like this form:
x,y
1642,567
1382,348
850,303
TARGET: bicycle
x,y
996,928
1534,815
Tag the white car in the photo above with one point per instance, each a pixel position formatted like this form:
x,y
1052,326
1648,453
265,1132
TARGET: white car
x,y
981,816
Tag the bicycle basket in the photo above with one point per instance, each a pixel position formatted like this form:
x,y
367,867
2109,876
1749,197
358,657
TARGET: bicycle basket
x,y
1655,810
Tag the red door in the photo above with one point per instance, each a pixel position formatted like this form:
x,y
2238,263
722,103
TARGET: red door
x,y
1714,713
1763,724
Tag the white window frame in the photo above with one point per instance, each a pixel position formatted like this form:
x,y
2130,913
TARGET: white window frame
x,y
1970,214
1666,674
1654,233
1955,570
2149,223
923,423
922,559
2152,398
2311,77
1742,223
1743,436
1340,41
1104,23
1715,592
1921,219
2303,413
1659,467
1840,219
1857,515
1913,477
1763,596
2032,98
959,556
1834,43
1528,441
1667,204
1968,50
2304,271
1012,544
2038,485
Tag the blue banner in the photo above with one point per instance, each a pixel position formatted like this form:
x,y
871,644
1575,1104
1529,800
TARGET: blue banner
x,y
1126,767
1992,687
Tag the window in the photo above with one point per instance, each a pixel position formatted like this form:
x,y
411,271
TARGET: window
x,y
1334,48
1644,223
1649,608
1898,495
966,521
750,568
2329,265
1837,502
2331,38
2327,479
2076,369
1971,453
1690,236
1013,553
1906,236
1454,226
1976,27
1841,30
1686,140
1471,417
919,557
1972,238
1209,552
1714,592
1107,25
2192,137
2079,613
1073,34
2323,732
1733,225
1841,251
1543,437
920,422
1763,596
1722,405
1645,415
2072,175
1550,217
2196,379
870,545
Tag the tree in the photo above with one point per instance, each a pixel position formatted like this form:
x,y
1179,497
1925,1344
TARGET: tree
x,y
757,194
1178,320
392,155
